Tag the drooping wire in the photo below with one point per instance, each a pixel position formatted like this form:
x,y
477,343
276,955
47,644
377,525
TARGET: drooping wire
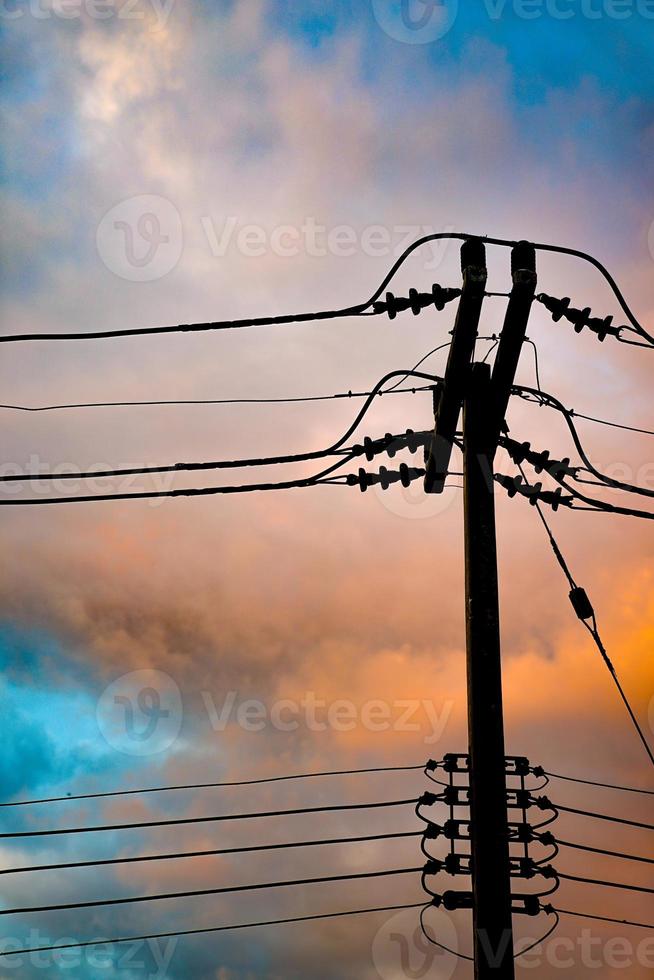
x,y
606,884
234,889
551,401
319,479
598,918
217,401
215,929
591,782
223,852
602,816
237,463
361,309
604,852
435,942
185,821
591,626
222,785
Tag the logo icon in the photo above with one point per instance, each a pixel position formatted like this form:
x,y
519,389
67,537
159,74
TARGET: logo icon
x,y
416,21
401,951
141,239
141,713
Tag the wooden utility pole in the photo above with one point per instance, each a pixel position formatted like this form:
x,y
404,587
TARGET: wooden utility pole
x,y
489,835
484,400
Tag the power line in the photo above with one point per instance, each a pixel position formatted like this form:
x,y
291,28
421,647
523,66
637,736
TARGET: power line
x,y
605,884
586,615
217,401
223,852
361,309
234,463
213,891
544,803
598,918
317,480
197,820
590,782
223,785
215,929
544,398
605,853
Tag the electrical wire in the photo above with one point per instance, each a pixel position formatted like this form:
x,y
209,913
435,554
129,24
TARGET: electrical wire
x,y
606,884
216,401
602,816
317,480
599,850
211,853
591,626
435,942
235,889
551,401
598,918
197,820
230,464
361,309
590,782
215,929
223,785
601,505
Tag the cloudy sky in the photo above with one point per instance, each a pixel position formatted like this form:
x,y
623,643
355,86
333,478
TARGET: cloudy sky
x,y
169,162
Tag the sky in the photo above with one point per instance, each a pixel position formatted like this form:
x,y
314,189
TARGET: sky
x,y
168,162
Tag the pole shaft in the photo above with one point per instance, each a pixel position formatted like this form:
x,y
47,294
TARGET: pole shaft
x,y
491,882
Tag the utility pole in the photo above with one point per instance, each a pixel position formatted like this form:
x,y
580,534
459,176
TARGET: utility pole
x,y
489,833
484,401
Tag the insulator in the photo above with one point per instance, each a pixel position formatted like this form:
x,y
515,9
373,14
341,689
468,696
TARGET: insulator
x,y
441,296
453,864
433,867
603,327
416,301
431,766
427,799
452,796
457,900
557,307
581,604
453,762
525,867
579,318
433,831
517,765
